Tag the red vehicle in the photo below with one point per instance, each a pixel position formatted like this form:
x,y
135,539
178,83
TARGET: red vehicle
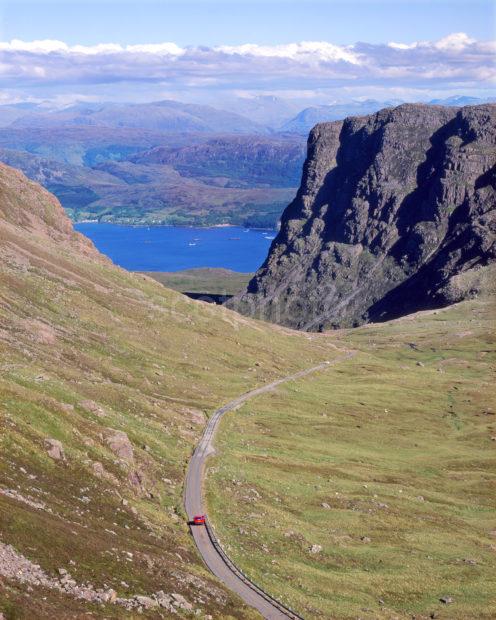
x,y
199,519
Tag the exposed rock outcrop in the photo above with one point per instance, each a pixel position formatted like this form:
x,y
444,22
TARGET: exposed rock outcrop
x,y
92,407
15,566
55,449
119,443
395,213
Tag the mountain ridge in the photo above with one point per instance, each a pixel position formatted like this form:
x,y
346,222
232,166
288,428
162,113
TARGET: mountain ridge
x,y
395,213
164,116
307,118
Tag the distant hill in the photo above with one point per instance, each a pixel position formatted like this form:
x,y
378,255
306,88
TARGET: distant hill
x,y
87,145
154,193
303,122
256,161
162,116
10,113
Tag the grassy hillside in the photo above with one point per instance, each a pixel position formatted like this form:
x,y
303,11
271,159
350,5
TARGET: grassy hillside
x,y
212,281
368,491
88,350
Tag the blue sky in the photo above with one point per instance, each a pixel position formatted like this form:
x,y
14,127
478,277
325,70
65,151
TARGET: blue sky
x,y
232,22
312,51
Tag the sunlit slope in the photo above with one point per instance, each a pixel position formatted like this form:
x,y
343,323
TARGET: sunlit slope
x,y
368,491
88,350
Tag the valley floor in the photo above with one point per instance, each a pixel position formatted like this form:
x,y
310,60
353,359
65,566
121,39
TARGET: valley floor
x,y
368,490
365,491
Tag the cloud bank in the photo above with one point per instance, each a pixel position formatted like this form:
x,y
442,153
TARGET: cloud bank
x,y
456,61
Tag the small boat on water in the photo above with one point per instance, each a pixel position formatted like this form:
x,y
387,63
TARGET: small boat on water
x,y
191,243
234,238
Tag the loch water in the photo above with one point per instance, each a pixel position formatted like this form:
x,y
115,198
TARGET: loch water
x,y
172,248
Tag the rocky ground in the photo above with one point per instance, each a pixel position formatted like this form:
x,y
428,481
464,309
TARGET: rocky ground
x,y
14,566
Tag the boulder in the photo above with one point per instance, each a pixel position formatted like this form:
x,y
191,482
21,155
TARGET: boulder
x,y
146,601
165,601
120,445
55,449
92,407
181,602
100,472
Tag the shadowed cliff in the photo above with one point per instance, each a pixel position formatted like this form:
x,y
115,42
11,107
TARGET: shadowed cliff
x,y
395,213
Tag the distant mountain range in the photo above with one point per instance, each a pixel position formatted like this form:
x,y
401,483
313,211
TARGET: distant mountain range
x,y
305,120
162,116
257,115
169,162
267,110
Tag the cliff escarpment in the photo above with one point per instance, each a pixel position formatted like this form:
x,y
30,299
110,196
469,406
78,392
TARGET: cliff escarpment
x,y
395,213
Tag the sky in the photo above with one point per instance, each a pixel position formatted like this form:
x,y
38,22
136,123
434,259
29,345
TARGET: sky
x,y
317,51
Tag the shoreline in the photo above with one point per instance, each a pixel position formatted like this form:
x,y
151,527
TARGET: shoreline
x,y
185,226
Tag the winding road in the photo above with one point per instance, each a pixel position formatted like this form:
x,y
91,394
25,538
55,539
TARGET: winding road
x,y
214,556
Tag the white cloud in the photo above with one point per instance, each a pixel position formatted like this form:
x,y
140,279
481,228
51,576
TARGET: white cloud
x,y
402,46
46,46
456,42
168,49
49,46
313,51
305,66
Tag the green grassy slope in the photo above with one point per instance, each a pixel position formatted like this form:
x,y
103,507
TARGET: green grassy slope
x,y
74,328
367,491
208,280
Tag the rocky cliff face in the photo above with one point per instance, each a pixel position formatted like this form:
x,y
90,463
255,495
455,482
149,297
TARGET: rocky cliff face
x,y
395,213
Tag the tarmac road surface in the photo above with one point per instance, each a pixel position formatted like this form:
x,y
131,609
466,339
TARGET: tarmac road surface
x,y
204,537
